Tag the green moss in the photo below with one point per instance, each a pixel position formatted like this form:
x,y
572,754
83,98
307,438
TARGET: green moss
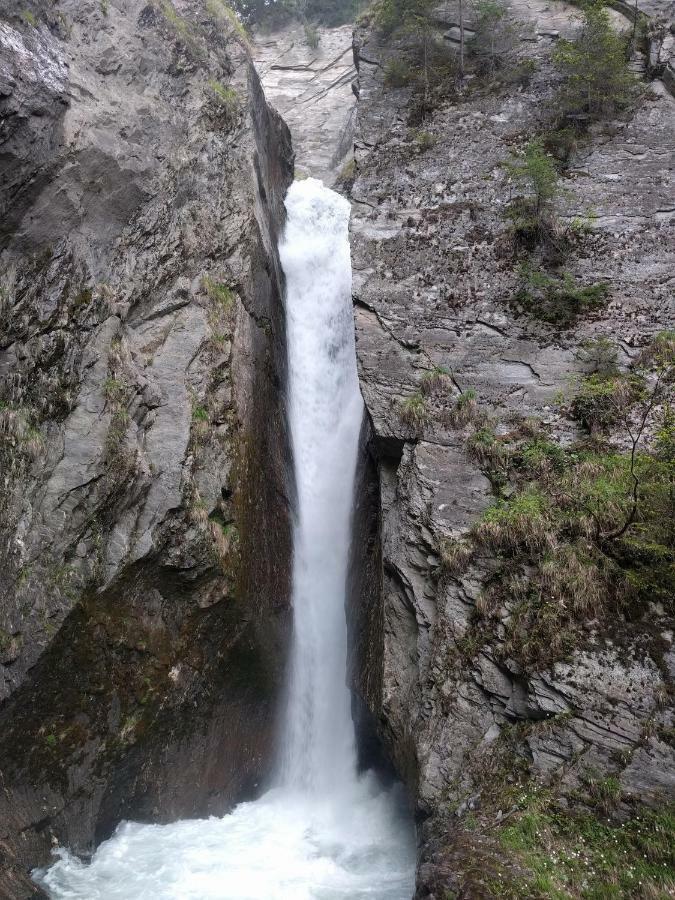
x,y
29,18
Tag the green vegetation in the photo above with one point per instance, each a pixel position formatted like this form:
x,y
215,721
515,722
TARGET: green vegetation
x,y
393,14
577,855
434,380
104,7
582,532
224,14
532,213
558,298
345,177
424,140
597,79
220,313
29,18
219,293
602,400
413,411
494,38
312,36
464,410
426,63
182,28
114,389
397,73
225,97
20,436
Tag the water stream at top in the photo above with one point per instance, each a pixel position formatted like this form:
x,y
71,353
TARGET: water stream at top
x,y
324,831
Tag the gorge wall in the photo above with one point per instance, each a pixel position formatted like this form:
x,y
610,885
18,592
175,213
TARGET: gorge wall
x,y
485,718
144,498
145,494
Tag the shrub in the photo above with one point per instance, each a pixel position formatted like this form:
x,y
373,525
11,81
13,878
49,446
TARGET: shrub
x,y
225,96
561,143
392,14
397,73
464,410
602,400
494,37
424,140
114,389
601,354
225,14
312,36
455,555
558,299
182,28
597,79
520,522
540,456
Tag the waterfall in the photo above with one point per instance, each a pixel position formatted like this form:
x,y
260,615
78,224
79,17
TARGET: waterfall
x,y
325,412
323,831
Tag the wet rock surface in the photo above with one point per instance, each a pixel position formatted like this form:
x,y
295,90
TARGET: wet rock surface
x,y
144,494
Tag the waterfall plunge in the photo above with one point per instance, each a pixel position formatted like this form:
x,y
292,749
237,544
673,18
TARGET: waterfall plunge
x,y
323,832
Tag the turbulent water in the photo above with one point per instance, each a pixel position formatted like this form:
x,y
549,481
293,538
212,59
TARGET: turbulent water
x,y
323,832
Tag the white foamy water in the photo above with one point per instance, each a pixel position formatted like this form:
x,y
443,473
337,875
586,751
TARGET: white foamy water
x,y
323,832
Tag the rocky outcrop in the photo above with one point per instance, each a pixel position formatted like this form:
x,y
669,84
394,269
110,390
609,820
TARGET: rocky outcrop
x,y
312,88
145,488
432,284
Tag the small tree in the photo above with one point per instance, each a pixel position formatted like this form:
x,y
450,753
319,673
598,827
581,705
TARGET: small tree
x,y
597,80
532,214
494,39
392,14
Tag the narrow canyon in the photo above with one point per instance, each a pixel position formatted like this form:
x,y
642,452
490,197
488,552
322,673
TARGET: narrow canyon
x,y
337,449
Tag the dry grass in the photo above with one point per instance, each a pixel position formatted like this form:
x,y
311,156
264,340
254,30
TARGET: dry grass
x,y
413,412
435,381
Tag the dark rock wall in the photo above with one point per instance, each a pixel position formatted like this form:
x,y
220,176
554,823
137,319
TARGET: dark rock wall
x,y
146,487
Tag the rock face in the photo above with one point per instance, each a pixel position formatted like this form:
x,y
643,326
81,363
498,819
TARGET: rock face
x,y
431,294
311,87
144,493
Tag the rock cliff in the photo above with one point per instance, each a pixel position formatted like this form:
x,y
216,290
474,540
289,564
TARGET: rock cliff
x,y
144,497
478,722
